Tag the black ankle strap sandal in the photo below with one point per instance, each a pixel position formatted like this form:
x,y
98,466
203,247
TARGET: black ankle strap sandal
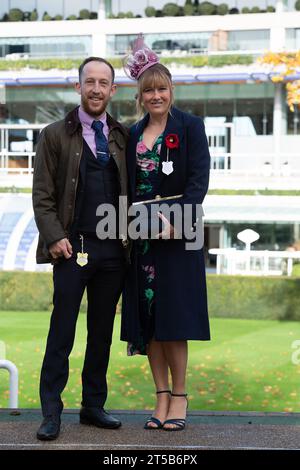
x,y
179,422
156,421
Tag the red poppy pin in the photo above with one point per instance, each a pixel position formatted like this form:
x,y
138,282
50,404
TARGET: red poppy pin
x,y
172,142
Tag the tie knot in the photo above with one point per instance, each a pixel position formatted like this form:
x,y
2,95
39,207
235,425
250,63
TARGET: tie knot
x,y
97,126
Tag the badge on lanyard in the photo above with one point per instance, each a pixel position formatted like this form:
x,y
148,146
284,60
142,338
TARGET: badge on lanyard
x,y
167,166
82,258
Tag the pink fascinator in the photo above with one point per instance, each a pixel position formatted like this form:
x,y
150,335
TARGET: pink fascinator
x,y
140,59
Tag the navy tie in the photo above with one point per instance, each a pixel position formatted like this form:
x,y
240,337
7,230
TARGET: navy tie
x,y
101,143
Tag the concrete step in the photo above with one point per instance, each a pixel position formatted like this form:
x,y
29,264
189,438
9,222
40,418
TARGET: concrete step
x,y
204,431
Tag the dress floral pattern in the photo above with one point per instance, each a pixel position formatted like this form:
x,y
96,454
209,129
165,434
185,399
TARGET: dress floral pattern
x,y
147,176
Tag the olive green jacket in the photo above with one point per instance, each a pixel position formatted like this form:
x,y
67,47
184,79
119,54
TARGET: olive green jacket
x,y
56,175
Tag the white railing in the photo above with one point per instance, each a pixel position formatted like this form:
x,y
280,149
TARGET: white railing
x,y
254,262
192,51
221,139
248,164
17,143
7,157
13,382
16,147
13,378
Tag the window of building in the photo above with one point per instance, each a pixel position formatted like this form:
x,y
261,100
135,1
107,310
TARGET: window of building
x,y
40,104
273,236
249,106
233,103
293,121
192,43
292,38
248,40
67,46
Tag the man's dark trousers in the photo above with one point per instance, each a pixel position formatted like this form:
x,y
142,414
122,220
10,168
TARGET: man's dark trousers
x,y
103,278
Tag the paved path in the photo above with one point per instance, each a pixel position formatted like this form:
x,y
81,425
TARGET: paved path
x,y
205,430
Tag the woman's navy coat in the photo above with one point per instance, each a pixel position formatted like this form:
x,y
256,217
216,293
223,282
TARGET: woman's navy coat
x,y
180,295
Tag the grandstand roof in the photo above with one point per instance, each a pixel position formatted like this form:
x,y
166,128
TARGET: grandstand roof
x,y
236,74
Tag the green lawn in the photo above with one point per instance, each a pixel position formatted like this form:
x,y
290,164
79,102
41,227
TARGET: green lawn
x,y
247,366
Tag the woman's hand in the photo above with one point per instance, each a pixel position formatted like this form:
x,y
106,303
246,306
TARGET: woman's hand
x,y
169,231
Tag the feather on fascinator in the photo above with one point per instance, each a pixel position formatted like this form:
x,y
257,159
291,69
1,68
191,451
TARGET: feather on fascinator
x,y
141,58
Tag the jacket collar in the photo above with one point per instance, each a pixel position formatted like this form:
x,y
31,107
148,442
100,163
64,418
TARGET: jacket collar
x,y
73,123
174,126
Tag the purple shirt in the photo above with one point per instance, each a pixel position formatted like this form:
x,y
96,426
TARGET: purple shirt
x,y
87,132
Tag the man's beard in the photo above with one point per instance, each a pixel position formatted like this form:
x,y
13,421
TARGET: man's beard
x,y
96,110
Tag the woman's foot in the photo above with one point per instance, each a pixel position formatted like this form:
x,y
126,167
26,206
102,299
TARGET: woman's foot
x,y
177,413
161,410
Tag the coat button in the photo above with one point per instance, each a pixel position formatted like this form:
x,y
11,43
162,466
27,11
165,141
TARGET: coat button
x,y
73,180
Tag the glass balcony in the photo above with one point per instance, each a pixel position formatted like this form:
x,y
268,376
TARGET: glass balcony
x,y
161,43
41,47
193,43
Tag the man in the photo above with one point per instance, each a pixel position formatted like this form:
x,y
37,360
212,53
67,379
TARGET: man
x,y
80,164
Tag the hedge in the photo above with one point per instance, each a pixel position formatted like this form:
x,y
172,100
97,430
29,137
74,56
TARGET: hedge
x,y
272,298
69,64
27,291
257,297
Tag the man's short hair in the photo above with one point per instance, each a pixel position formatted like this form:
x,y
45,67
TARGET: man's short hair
x,y
97,59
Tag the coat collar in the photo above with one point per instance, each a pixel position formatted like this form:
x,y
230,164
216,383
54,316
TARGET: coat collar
x,y
73,124
174,126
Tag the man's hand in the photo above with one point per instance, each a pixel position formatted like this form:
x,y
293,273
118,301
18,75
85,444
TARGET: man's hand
x,y
61,248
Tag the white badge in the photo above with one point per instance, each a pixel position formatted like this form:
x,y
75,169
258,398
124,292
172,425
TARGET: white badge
x,y
167,167
82,259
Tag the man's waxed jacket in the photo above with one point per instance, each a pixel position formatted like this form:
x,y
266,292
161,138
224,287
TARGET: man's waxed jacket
x,y
56,175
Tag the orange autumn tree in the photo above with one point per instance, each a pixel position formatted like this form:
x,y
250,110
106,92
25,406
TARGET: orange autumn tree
x,y
286,64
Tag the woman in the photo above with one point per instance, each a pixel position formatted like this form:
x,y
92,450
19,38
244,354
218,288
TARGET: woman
x,y
164,302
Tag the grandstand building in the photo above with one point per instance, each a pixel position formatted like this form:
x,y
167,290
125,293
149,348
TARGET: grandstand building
x,y
254,138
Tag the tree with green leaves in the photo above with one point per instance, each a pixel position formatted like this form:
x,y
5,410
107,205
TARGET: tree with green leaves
x,y
222,9
170,9
207,8
15,14
33,15
150,11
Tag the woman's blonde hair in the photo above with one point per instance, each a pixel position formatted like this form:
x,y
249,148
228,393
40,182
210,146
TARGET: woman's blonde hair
x,y
154,77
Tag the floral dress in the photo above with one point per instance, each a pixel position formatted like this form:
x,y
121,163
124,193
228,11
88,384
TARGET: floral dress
x,y
147,178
